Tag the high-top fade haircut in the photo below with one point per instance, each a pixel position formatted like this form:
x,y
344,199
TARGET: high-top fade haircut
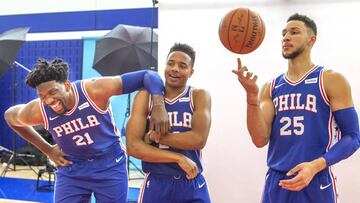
x,y
184,48
309,23
45,71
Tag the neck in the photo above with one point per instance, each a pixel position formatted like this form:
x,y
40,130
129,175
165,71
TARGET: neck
x,y
298,66
172,92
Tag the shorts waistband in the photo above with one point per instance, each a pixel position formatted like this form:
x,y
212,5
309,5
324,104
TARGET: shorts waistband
x,y
176,177
113,149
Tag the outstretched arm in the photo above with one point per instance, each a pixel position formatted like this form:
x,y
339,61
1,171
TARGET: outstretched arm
x,y
136,147
21,118
201,120
260,107
339,95
101,89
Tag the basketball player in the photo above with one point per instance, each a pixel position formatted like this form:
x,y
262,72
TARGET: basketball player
x,y
88,151
173,163
306,115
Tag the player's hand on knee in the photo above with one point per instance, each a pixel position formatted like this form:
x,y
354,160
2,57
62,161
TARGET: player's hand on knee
x,y
189,166
56,155
247,79
303,172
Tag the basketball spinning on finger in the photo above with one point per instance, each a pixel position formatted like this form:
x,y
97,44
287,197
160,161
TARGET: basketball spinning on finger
x,y
241,30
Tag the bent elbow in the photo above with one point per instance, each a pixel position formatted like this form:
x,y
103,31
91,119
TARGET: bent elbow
x,y
260,144
133,150
130,149
201,144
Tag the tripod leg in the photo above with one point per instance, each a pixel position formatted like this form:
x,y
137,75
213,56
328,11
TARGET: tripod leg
x,y
27,163
11,159
136,167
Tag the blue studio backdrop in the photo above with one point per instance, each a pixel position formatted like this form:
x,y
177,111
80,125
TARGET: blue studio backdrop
x,y
13,88
77,53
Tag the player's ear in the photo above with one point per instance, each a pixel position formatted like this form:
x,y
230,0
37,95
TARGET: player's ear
x,y
192,71
312,40
67,85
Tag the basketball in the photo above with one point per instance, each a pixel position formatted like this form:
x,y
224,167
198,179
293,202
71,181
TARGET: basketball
x,y
241,30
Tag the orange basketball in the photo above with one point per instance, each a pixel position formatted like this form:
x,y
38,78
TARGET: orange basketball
x,y
241,30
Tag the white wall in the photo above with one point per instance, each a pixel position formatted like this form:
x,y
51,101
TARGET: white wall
x,y
235,169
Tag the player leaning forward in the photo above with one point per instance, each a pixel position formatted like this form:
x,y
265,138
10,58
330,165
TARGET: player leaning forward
x,y
78,115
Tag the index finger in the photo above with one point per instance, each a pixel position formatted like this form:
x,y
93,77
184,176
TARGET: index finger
x,y
239,63
64,161
290,181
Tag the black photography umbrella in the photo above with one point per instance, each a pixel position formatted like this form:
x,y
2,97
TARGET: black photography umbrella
x,y
10,43
125,49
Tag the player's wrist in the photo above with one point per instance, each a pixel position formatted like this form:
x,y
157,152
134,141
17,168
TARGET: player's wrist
x,y
252,100
319,164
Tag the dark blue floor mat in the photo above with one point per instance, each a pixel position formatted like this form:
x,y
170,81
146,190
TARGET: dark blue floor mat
x,y
25,189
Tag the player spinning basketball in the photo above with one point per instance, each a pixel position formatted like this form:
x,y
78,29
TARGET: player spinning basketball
x,y
173,163
88,151
306,115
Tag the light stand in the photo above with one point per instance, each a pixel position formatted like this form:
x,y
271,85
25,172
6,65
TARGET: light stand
x,y
154,2
14,156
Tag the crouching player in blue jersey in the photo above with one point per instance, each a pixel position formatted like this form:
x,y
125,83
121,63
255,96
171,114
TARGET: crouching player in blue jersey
x,y
88,152
173,162
306,115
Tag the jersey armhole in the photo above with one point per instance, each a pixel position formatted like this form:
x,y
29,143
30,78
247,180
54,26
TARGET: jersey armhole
x,y
271,88
322,88
92,103
191,103
43,114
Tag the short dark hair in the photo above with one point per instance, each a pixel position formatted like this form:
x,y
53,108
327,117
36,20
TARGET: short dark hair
x,y
45,71
305,19
184,48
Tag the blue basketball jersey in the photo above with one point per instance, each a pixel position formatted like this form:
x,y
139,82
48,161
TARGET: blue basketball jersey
x,y
86,130
180,111
303,128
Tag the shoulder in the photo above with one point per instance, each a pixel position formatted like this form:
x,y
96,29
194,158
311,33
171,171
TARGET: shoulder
x,y
201,98
267,88
334,80
30,113
330,74
198,92
336,86
142,97
143,93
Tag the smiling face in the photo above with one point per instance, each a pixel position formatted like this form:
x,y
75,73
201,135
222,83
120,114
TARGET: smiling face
x,y
56,95
178,69
297,38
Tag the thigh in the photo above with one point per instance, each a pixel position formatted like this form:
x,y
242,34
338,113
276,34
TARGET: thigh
x,y
112,185
321,189
272,192
68,190
111,191
192,191
156,189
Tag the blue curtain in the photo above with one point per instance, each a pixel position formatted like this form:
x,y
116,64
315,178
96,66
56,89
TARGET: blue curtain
x,y
13,88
